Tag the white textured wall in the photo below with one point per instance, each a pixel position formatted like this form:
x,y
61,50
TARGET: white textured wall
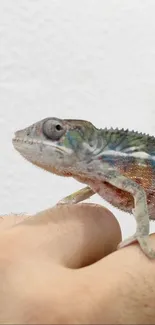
x,y
71,58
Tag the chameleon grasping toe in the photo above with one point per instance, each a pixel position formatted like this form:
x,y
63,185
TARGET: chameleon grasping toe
x,y
119,165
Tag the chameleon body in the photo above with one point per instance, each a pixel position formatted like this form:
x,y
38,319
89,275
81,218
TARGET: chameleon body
x,y
119,165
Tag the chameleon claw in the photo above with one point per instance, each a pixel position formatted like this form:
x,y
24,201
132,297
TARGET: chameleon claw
x,y
78,196
127,242
143,242
65,202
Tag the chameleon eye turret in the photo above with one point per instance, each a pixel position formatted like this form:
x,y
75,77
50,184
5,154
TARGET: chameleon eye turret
x,y
53,129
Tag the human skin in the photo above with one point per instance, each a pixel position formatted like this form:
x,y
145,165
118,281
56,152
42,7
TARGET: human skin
x,y
61,266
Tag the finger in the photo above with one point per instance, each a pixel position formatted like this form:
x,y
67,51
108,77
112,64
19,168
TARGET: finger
x,y
7,221
91,232
75,235
128,290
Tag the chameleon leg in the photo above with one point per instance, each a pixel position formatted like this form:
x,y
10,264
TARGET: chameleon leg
x,y
98,171
140,212
78,196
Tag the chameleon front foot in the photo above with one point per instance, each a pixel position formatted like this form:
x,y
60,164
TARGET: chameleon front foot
x,y
143,242
78,196
127,242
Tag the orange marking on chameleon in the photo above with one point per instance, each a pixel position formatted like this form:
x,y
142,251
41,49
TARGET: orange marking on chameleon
x,y
143,175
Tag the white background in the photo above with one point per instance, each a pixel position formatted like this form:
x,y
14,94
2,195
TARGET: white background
x,y
82,59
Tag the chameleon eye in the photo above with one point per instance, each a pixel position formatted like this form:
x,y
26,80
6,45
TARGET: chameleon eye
x,y
58,127
53,129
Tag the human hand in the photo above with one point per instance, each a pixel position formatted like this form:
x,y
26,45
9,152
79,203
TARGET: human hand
x,y
60,267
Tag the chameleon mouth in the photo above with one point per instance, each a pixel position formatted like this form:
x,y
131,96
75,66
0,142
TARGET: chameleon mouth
x,y
19,140
23,143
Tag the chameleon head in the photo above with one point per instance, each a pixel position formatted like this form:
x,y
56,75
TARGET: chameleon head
x,y
56,145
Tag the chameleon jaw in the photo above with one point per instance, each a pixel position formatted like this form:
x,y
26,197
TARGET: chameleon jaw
x,y
45,154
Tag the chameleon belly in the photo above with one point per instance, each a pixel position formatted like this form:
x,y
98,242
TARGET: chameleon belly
x,y
121,199
141,174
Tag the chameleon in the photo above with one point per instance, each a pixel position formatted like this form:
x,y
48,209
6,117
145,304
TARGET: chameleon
x,y
117,164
